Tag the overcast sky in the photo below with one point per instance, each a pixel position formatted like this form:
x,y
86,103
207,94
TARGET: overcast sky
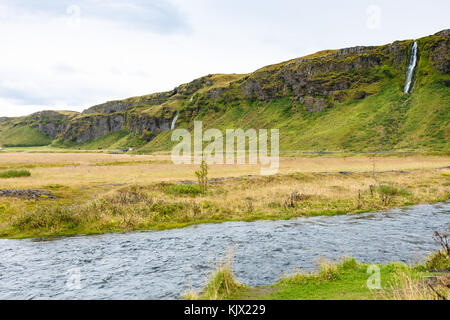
x,y
72,54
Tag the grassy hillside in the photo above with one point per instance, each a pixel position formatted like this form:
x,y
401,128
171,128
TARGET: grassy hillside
x,y
375,115
335,100
388,120
22,136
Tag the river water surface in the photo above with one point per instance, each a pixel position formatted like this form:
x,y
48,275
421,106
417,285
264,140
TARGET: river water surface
x,y
164,264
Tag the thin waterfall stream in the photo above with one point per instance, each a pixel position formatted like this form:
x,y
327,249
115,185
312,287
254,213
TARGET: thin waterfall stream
x,y
174,122
411,68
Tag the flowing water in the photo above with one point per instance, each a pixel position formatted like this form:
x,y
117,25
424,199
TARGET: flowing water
x,y
164,264
174,121
411,68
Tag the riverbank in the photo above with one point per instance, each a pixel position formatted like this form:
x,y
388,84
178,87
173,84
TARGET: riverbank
x,y
94,194
166,264
343,280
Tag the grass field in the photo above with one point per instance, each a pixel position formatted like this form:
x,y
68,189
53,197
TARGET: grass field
x,y
100,192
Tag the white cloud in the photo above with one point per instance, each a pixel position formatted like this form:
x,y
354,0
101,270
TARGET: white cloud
x,y
133,47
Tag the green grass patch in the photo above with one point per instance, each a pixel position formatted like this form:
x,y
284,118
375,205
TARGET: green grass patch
x,y
344,280
50,217
392,191
23,136
183,190
15,174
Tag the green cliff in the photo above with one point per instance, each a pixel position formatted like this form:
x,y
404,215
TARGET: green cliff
x,y
335,100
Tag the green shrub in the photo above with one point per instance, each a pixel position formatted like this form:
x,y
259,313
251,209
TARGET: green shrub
x,y
48,218
392,191
15,174
350,264
163,208
437,261
182,190
222,283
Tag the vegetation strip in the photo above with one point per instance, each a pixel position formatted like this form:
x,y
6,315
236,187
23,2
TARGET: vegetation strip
x,y
343,280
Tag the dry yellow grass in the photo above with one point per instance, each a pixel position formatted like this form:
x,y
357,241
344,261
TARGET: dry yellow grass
x,y
81,169
413,287
133,190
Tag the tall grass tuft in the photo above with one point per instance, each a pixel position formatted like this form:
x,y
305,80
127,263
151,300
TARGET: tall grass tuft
x,y
328,271
51,217
222,283
407,286
183,190
439,260
15,174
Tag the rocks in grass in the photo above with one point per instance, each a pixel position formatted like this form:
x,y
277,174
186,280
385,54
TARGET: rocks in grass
x,y
28,194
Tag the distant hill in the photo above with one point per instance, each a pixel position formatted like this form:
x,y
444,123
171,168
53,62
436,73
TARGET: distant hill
x,y
335,100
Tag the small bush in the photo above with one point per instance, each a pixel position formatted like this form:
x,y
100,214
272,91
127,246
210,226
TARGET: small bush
x,y
222,283
48,218
295,198
350,264
439,260
202,176
392,191
130,196
163,208
436,262
183,190
328,271
15,174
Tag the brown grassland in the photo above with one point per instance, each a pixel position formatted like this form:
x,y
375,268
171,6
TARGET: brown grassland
x,y
99,192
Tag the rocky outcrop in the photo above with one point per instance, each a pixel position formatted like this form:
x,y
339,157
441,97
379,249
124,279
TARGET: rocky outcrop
x,y
109,107
138,124
124,105
51,129
50,123
324,76
89,127
28,194
439,51
314,104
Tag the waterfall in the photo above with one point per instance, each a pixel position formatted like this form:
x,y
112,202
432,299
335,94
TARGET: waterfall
x,y
411,68
174,122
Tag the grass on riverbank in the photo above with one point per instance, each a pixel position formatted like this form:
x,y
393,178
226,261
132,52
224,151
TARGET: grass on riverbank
x,y
167,205
343,280
99,193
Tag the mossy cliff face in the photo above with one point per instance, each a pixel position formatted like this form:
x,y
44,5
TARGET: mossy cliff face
x,y
124,105
51,123
88,127
296,94
438,48
39,128
323,81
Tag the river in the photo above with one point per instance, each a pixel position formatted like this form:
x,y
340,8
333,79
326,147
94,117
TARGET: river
x,y
164,264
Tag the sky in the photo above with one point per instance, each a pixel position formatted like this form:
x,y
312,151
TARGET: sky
x,y
71,55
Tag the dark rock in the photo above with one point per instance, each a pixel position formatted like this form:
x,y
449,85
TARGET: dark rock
x,y
28,194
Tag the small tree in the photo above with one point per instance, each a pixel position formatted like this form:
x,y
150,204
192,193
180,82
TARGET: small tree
x,y
202,176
